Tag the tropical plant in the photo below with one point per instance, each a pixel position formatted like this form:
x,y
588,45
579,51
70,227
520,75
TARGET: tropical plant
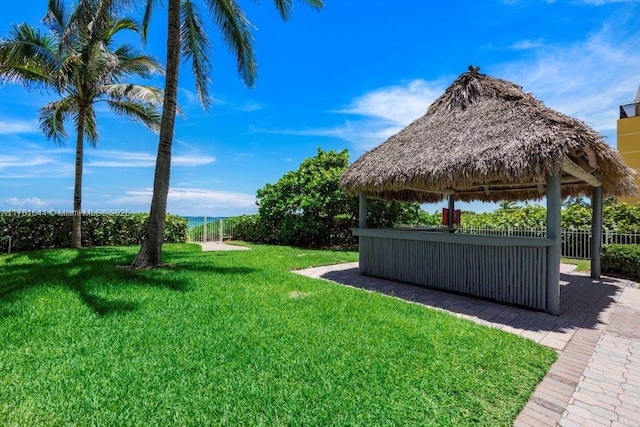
x,y
306,207
79,61
186,37
506,205
619,217
575,201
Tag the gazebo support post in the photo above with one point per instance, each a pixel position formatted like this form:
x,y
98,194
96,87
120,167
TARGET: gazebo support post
x,y
362,211
596,231
554,201
452,206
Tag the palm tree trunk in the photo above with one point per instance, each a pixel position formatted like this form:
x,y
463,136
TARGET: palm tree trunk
x,y
150,254
76,231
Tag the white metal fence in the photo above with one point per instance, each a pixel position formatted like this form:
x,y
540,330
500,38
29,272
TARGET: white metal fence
x,y
575,243
204,229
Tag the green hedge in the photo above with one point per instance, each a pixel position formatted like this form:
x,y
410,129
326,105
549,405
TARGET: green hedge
x,y
619,217
248,228
621,259
32,232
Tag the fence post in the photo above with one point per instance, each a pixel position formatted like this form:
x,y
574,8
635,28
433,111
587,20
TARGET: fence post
x,y
221,230
596,229
204,229
362,211
554,231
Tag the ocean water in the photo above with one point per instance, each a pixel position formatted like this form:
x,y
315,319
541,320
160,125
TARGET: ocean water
x,y
194,221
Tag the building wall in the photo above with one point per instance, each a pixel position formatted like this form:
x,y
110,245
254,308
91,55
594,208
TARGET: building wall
x,y
629,148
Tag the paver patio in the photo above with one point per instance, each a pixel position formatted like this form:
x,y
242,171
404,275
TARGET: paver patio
x,y
596,379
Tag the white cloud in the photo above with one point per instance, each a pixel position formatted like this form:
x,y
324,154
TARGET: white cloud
x,y
528,44
250,106
29,203
589,79
397,104
383,112
363,134
25,160
601,2
194,197
27,165
12,127
52,171
129,159
190,98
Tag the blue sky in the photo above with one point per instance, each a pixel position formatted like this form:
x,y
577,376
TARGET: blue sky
x,y
347,77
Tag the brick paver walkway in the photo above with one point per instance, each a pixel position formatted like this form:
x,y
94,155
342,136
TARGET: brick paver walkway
x,y
596,379
608,391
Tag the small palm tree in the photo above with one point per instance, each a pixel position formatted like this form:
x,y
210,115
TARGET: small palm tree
x,y
78,61
187,37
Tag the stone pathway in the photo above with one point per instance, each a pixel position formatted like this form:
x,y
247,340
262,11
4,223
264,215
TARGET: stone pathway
x,y
608,391
596,379
218,246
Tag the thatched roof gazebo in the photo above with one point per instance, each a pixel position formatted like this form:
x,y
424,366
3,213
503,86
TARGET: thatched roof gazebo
x,y
485,139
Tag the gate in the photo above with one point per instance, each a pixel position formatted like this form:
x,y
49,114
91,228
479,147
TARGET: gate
x,y
203,229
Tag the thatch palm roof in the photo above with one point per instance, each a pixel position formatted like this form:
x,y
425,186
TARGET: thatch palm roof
x,y
485,139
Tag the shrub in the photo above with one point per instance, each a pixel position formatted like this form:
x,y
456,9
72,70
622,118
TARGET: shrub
x,y
32,232
621,259
306,207
247,228
528,216
620,217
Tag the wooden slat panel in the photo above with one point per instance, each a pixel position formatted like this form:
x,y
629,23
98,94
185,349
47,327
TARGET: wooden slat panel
x,y
510,274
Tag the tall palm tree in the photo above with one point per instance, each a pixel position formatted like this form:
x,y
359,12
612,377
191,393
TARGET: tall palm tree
x,y
78,61
186,36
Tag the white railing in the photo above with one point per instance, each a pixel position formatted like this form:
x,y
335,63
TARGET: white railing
x,y
575,243
204,229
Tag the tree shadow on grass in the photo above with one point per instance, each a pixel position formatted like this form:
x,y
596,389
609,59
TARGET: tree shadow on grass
x,y
582,301
89,272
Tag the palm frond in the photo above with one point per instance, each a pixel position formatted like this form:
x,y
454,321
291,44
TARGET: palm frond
x,y
131,61
120,25
52,117
90,126
68,67
79,21
235,29
145,113
138,93
146,19
284,8
316,4
56,18
94,19
195,47
27,42
28,57
27,75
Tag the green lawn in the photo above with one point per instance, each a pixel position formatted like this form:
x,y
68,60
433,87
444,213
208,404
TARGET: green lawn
x,y
233,338
581,264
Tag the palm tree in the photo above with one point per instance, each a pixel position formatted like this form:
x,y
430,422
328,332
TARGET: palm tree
x,y
506,205
186,36
78,60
